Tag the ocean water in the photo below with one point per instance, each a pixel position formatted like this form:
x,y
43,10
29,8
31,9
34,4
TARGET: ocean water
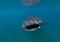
x,y
13,14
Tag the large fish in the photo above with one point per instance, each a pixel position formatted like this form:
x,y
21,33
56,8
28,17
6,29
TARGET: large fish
x,y
32,23
29,2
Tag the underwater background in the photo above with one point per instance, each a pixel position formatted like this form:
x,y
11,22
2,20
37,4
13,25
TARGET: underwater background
x,y
13,14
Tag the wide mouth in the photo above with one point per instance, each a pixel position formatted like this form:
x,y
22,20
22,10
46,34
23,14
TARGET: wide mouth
x,y
32,27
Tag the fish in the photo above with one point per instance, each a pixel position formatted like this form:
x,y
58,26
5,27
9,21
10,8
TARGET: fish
x,y
29,2
32,23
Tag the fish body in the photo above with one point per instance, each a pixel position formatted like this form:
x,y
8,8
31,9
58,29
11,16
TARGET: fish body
x,y
32,23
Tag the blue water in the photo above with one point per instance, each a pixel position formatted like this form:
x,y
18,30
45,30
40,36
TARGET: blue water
x,y
12,15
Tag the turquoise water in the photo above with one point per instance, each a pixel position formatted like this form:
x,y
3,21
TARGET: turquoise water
x,y
12,15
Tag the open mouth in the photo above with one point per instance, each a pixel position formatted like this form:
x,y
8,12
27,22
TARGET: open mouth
x,y
32,27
